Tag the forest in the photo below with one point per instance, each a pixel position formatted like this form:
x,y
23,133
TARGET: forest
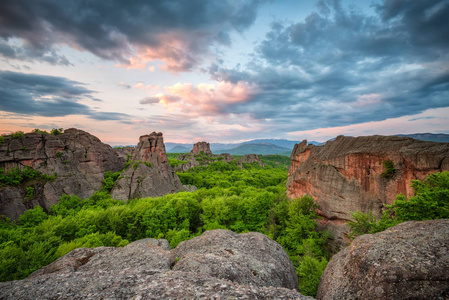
x,y
252,198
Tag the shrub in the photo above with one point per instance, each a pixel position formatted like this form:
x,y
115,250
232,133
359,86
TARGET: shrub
x,y
389,169
56,131
148,164
37,130
18,135
29,192
2,139
32,217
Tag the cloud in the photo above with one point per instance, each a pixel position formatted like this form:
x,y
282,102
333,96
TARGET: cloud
x,y
149,100
178,33
341,66
47,96
202,99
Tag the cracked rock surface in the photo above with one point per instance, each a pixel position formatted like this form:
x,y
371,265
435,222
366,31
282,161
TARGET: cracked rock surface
x,y
146,269
407,261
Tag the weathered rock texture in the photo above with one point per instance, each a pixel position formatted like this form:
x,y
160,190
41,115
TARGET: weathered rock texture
x,y
250,159
149,174
249,258
79,159
345,175
144,270
199,147
408,261
195,158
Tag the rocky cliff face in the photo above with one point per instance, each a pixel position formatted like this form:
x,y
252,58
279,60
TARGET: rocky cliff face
x,y
345,175
199,147
149,174
217,265
408,261
79,159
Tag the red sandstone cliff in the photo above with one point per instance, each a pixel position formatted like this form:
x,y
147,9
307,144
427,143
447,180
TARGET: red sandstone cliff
x,y
345,175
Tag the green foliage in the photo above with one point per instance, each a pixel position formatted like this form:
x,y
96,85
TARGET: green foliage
x,y
29,191
56,131
135,165
24,148
37,130
18,135
148,164
389,169
109,180
58,154
430,201
304,245
242,200
275,161
175,162
16,176
2,139
32,217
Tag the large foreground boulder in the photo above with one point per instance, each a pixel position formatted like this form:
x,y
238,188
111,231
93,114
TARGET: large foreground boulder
x,y
147,269
249,258
408,261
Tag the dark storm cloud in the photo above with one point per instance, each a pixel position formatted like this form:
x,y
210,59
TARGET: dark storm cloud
x,y
341,67
117,30
47,96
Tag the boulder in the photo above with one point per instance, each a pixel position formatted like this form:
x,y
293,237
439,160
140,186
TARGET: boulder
x,y
346,175
408,261
249,258
144,270
149,174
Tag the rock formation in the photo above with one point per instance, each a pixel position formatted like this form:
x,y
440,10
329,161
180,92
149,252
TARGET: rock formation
x,y
201,148
149,174
79,159
201,155
251,158
408,261
345,175
217,265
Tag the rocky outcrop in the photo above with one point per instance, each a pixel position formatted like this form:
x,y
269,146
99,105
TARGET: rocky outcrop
x,y
249,258
79,159
149,174
250,159
217,265
345,175
201,148
408,261
202,156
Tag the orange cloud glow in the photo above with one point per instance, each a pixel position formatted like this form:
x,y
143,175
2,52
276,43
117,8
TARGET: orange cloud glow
x,y
204,98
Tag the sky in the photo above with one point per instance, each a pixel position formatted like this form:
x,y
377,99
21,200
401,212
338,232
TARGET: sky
x,y
225,70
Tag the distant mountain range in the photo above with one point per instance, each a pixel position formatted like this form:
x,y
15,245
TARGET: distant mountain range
x,y
260,146
256,148
280,146
429,137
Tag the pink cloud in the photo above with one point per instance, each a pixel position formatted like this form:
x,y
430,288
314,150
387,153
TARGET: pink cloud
x,y
204,98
